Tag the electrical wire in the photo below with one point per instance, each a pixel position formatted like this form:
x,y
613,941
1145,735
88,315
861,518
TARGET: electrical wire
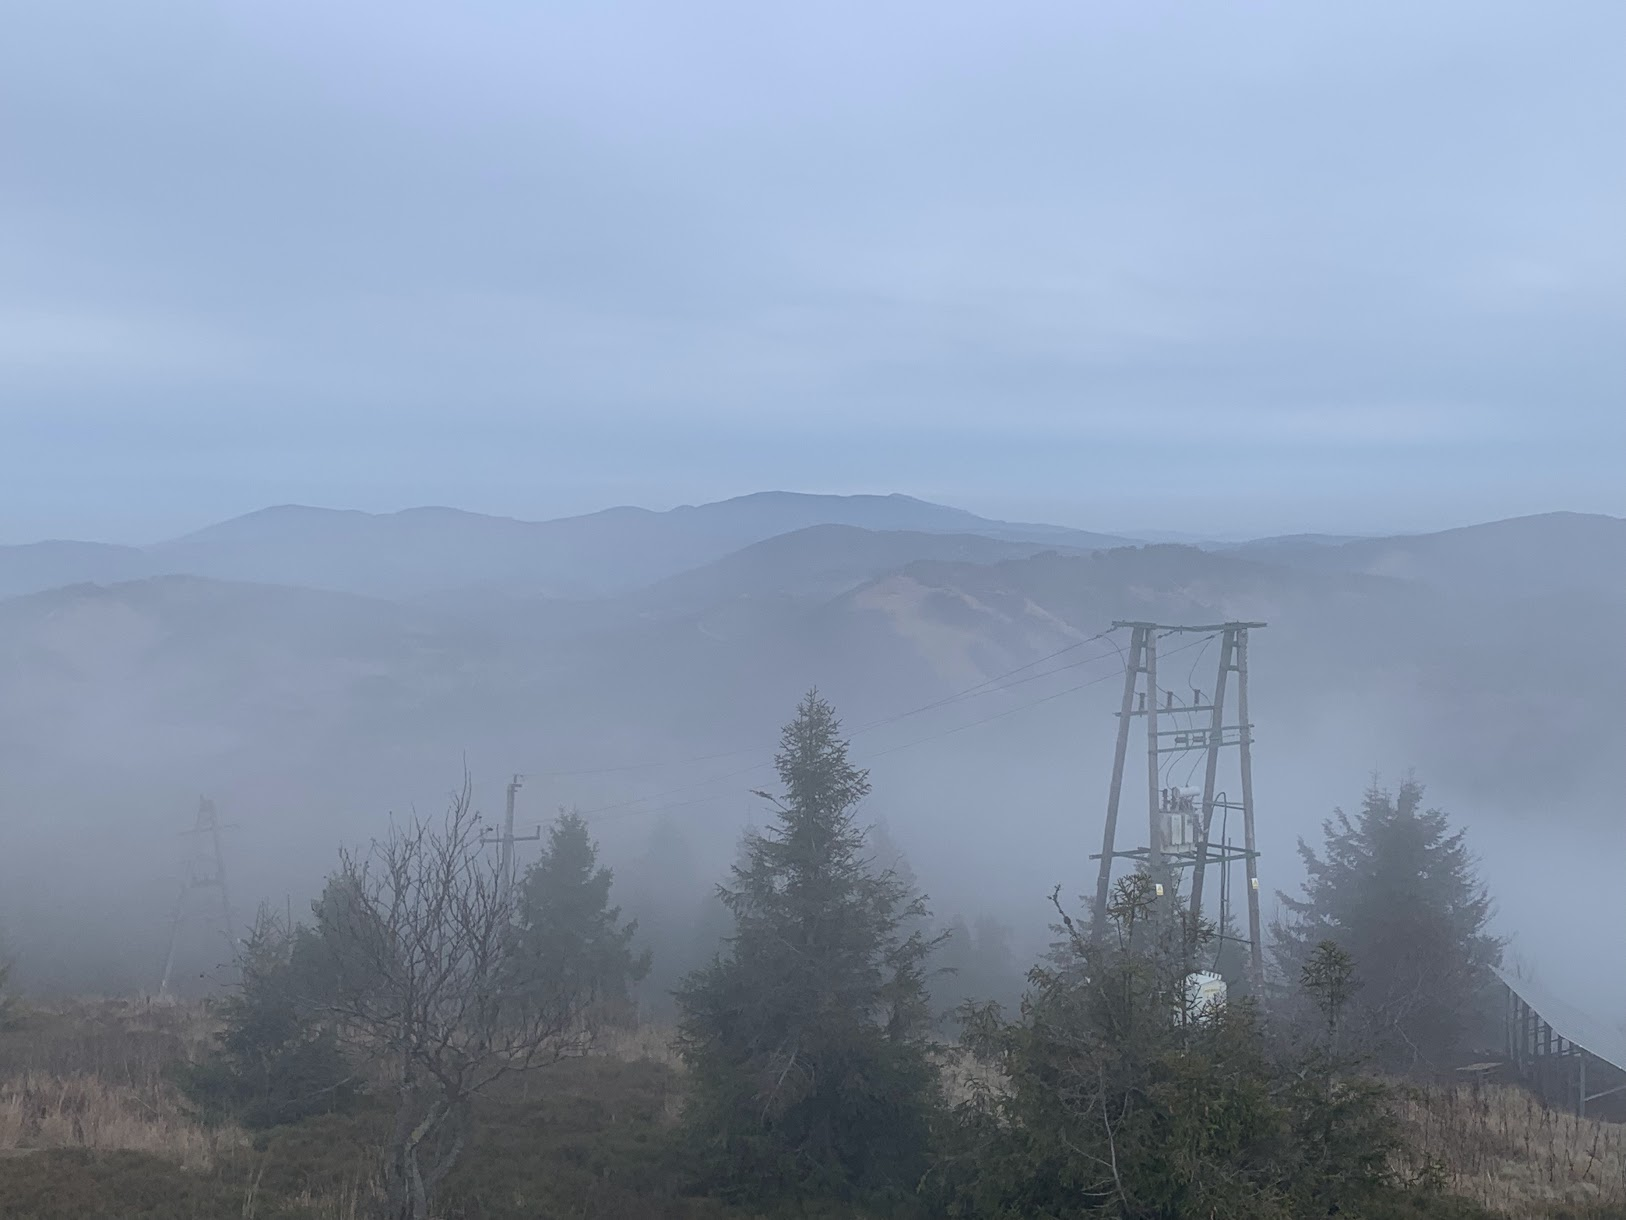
x,y
1009,711
876,724
1191,679
1191,674
985,719
986,686
1166,770
978,689
619,806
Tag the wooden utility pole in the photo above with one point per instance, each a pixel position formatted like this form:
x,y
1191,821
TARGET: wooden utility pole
x,y
1245,747
505,842
1216,725
1178,829
1154,810
1133,666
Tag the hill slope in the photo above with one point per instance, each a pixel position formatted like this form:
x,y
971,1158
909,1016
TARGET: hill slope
x,y
425,551
823,560
1550,554
36,566
312,714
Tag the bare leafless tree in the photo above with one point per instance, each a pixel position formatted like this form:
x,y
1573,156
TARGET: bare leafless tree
x,y
423,975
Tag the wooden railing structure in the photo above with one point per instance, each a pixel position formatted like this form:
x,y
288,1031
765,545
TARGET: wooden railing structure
x,y
1567,1057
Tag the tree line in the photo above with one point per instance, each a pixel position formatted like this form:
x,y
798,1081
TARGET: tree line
x,y
818,1070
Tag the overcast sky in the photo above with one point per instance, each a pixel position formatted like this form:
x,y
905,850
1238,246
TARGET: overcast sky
x,y
1225,268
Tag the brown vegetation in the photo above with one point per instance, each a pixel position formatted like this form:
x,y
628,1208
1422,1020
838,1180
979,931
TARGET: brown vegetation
x,y
90,1126
44,1111
94,1075
1499,1146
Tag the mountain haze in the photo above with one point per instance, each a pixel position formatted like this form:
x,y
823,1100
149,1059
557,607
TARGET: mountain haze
x,y
426,551
1556,553
637,664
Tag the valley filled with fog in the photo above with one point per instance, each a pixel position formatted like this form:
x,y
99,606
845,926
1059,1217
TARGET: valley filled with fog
x,y
315,671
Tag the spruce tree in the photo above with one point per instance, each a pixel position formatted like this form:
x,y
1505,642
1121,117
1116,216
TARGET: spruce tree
x,y
568,931
807,1037
1397,890
274,1059
1116,1094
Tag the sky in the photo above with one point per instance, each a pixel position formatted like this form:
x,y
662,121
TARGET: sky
x,y
1221,268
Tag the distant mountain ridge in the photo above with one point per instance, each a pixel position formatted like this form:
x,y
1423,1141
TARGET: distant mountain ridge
x,y
438,551
34,567
884,616
422,551
637,664
826,560
1555,552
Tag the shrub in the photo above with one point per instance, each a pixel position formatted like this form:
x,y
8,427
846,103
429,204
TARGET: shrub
x,y
1120,1098
275,1061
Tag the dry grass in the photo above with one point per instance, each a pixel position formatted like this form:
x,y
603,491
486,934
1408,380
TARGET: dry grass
x,y
84,1093
1500,1147
1495,1145
94,1074
44,1111
357,1197
648,1043
640,1044
132,1041
962,1075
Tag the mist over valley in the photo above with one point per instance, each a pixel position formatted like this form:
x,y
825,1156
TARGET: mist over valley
x,y
315,671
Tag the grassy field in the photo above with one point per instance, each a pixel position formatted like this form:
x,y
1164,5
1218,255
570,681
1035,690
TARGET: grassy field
x,y
1498,1146
90,1127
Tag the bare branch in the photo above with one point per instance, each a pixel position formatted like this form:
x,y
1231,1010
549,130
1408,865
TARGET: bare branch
x,y
419,938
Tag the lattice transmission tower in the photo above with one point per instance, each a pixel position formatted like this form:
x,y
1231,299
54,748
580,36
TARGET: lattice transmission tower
x,y
1180,818
203,900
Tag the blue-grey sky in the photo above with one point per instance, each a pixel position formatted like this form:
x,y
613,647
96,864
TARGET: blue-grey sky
x,y
1224,268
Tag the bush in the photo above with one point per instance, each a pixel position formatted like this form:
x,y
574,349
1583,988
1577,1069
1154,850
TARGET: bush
x,y
1119,1098
274,1061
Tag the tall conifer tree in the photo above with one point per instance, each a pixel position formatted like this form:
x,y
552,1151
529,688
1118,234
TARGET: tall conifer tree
x,y
567,927
807,1036
1396,888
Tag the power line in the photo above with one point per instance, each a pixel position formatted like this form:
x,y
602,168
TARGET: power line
x,y
704,783
1191,674
615,811
646,766
1177,706
986,686
1019,708
978,689
627,804
985,719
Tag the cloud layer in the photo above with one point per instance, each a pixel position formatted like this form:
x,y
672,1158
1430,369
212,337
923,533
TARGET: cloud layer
x,y
1231,268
